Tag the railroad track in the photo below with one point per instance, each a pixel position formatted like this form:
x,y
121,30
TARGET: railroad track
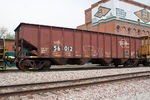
x,y
21,89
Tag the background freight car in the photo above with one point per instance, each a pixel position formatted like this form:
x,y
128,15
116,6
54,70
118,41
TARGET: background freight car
x,y
9,43
49,45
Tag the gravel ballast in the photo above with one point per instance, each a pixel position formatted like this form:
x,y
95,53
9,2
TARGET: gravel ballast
x,y
34,77
138,89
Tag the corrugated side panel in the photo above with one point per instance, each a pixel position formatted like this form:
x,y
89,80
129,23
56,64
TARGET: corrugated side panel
x,y
107,46
114,46
94,44
120,43
133,48
126,47
44,41
78,44
86,44
68,43
57,42
101,45
138,45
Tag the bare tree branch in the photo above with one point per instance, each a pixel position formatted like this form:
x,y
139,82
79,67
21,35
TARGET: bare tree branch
x,y
4,33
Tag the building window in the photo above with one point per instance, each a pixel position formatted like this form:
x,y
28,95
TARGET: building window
x,y
139,31
143,32
118,28
134,31
129,30
123,29
148,33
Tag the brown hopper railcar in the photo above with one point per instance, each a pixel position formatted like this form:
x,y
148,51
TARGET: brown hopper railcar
x,y
49,45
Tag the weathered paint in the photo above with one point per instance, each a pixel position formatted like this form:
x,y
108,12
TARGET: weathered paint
x,y
58,42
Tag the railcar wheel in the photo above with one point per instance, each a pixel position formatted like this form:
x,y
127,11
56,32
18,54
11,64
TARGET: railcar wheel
x,y
116,65
47,65
23,65
130,63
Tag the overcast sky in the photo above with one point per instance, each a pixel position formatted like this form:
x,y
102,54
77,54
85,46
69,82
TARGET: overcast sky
x,y
146,2
64,13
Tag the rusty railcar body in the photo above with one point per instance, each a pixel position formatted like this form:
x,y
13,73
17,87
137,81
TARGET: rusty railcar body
x,y
49,45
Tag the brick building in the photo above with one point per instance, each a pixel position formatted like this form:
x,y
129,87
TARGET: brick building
x,y
9,43
126,17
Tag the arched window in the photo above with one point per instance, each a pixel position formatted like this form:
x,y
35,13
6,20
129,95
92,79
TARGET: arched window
x,y
134,31
143,32
129,30
139,31
148,33
118,28
123,29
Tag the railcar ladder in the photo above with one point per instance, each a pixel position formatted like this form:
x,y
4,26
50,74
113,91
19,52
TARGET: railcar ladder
x,y
2,54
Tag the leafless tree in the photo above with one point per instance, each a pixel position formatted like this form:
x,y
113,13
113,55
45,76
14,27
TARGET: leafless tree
x,y
4,33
